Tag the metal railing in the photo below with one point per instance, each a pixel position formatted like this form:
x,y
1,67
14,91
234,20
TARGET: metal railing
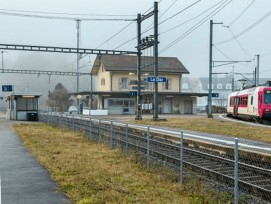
x,y
228,160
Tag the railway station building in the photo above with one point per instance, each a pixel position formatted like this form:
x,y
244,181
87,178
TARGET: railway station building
x,y
116,80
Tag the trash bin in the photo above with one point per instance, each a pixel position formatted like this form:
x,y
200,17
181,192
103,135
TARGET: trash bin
x,y
32,116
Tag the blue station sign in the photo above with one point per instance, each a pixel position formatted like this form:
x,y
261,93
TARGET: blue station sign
x,y
157,79
215,95
6,88
133,93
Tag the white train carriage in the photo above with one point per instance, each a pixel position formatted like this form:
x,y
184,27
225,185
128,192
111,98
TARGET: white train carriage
x,y
252,103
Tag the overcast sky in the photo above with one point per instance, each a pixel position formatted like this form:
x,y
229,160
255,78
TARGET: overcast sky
x,y
183,32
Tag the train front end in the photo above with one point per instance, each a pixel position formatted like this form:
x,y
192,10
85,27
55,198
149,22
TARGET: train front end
x,y
264,104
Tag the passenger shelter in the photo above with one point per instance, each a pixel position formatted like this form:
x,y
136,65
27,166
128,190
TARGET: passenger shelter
x,y
23,106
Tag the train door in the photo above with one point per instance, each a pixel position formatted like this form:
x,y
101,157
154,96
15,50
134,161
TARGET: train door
x,y
235,108
260,102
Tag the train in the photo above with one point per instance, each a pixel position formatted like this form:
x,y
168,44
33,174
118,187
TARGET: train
x,y
252,103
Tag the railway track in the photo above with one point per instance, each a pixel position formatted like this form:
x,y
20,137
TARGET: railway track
x,y
212,160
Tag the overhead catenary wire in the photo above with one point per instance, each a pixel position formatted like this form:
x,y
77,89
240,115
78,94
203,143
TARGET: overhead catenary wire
x,y
148,28
179,12
191,19
197,25
247,29
64,18
240,45
241,14
60,13
117,33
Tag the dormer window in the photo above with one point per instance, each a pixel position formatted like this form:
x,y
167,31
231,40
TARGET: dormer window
x,y
219,86
228,86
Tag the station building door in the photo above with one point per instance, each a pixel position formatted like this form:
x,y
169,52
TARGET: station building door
x,y
188,107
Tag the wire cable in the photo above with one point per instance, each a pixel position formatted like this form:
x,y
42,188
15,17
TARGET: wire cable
x,y
174,15
242,13
240,45
148,28
183,23
197,25
114,35
247,29
58,13
63,18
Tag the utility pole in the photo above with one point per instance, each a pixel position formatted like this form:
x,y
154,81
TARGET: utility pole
x,y
210,71
138,97
232,80
209,114
142,44
257,70
78,58
2,60
155,95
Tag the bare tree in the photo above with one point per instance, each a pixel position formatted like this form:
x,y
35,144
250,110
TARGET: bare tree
x,y
60,98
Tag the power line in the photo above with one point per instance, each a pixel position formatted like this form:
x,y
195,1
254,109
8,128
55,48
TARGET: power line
x,y
197,25
242,13
181,24
179,12
114,35
148,28
58,13
63,18
238,42
247,29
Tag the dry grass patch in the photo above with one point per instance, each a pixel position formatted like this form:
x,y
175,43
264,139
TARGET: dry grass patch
x,y
91,173
215,126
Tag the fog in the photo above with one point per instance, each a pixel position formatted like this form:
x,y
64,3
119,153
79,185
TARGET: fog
x,y
44,83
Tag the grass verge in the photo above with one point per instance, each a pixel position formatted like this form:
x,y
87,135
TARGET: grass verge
x,y
92,173
214,126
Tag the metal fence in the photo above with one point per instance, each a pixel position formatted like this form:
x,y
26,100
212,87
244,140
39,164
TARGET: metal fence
x,y
244,165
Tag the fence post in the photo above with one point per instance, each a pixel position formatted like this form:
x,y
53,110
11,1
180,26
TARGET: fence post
x,y
236,191
126,138
48,118
111,134
99,131
90,126
148,148
81,118
73,123
66,121
181,159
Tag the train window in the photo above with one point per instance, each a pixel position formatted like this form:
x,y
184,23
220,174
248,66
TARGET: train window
x,y
260,98
267,97
251,102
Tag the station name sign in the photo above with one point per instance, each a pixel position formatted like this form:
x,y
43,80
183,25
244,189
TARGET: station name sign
x,y
157,79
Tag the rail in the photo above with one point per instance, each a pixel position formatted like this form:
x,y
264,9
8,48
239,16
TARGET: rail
x,y
241,167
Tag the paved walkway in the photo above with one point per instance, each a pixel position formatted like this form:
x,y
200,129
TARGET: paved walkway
x,y
23,180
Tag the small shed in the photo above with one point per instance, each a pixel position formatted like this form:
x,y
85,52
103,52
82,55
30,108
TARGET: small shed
x,y
23,106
